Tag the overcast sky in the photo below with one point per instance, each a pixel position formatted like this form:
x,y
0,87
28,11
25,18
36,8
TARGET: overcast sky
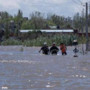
x,y
59,7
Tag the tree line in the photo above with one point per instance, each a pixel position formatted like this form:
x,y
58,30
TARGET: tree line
x,y
36,21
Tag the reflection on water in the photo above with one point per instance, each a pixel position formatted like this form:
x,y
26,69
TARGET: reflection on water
x,y
4,87
80,76
18,61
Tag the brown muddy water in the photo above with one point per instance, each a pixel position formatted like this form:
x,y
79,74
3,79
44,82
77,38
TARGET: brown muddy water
x,y
30,70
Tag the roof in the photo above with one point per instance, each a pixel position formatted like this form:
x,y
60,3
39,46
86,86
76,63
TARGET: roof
x,y
53,27
49,30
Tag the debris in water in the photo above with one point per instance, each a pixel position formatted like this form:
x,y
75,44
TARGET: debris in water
x,y
50,86
29,80
50,73
77,75
48,82
4,87
81,76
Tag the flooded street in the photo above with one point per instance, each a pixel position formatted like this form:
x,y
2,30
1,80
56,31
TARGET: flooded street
x,y
30,70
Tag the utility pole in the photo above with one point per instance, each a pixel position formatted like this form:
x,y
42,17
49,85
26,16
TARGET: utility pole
x,y
87,27
82,24
82,21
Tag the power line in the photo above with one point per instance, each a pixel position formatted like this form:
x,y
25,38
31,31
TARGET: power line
x,y
80,1
77,2
89,7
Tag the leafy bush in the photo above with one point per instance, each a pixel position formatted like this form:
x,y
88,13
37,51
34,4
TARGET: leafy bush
x,y
66,39
11,42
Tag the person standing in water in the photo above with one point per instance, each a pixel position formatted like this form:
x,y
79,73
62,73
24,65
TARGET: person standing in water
x,y
44,49
63,49
54,49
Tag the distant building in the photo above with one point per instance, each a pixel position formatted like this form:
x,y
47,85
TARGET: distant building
x,y
51,31
25,34
53,27
25,18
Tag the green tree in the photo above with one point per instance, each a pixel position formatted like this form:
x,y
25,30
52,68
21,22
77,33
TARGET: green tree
x,y
7,31
77,21
19,19
26,25
37,20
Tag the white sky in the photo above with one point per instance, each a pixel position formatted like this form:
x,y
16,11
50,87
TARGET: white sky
x,y
59,7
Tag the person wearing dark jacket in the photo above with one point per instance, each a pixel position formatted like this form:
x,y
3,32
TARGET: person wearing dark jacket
x,y
44,49
54,49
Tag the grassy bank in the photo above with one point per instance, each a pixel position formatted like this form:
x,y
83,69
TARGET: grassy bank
x,y
67,39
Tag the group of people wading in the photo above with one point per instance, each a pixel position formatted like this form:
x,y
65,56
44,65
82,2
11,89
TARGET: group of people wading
x,y
53,49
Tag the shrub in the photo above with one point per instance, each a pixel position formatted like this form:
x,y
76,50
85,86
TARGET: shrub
x,y
11,42
67,39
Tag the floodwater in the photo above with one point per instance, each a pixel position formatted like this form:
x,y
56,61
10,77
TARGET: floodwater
x,y
29,70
